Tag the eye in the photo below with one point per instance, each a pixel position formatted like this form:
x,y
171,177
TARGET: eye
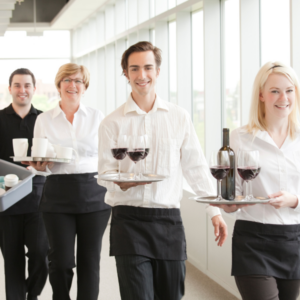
x,y
133,69
290,91
149,68
79,81
67,80
275,92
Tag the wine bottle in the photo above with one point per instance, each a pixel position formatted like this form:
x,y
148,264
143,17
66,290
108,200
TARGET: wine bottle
x,y
228,183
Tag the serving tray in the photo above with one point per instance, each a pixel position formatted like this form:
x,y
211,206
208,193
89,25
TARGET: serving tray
x,y
129,177
239,200
50,159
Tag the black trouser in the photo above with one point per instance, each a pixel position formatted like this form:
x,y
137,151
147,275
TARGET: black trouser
x,y
16,232
143,278
261,287
62,230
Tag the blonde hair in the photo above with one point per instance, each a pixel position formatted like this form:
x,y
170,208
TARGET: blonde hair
x,y
71,69
257,119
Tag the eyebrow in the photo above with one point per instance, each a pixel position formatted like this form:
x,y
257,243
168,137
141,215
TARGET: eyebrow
x,y
136,66
279,89
20,83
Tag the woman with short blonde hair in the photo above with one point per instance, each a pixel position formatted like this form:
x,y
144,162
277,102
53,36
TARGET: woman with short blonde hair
x,y
265,244
73,203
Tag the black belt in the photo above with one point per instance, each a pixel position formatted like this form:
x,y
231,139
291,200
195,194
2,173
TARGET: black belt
x,y
73,193
152,232
266,249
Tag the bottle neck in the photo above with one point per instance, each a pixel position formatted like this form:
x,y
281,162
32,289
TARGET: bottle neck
x,y
225,138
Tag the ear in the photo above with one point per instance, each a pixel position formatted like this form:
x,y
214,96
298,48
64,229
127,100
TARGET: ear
x,y
126,74
157,72
9,88
261,97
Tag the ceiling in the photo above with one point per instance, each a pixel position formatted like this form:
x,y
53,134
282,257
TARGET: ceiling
x,y
45,14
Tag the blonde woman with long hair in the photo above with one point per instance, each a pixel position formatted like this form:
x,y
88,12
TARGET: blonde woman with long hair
x,y
266,238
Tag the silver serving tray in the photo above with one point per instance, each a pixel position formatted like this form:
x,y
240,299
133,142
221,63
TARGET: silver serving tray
x,y
49,159
239,200
128,177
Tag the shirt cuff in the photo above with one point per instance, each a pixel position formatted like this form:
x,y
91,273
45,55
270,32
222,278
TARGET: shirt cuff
x,y
213,211
35,172
297,208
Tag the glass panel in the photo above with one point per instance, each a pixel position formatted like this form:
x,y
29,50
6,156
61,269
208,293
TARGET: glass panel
x,y
152,36
172,3
44,70
198,76
275,31
172,62
231,64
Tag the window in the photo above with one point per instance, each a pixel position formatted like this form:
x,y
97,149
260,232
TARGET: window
x,y
172,62
231,63
275,31
198,75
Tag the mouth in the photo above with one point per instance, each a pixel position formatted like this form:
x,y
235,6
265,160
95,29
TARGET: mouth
x,y
282,106
142,84
23,96
72,92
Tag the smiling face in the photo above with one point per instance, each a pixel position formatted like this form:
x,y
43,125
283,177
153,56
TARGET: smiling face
x,y
72,88
22,89
278,96
142,73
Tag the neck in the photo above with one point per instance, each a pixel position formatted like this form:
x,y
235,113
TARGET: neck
x,y
22,111
69,108
145,102
277,126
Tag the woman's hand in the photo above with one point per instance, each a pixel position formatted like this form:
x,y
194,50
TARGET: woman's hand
x,y
283,199
124,186
230,208
39,165
220,229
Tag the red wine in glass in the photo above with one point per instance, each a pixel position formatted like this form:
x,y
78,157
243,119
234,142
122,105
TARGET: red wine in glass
x,y
136,156
119,153
146,152
248,173
219,172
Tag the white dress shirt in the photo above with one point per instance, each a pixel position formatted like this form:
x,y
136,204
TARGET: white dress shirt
x,y
174,152
280,170
82,136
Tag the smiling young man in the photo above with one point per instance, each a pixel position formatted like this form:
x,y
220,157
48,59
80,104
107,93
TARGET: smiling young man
x,y
147,234
21,225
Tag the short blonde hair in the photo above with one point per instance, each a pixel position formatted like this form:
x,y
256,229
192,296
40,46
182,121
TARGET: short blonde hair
x,y
257,119
71,69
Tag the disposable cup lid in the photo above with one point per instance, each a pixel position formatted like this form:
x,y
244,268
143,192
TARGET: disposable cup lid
x,y
11,180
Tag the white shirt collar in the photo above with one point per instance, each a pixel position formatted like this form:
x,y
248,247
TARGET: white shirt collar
x,y
131,106
57,110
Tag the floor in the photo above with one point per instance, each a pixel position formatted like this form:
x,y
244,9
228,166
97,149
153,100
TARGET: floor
x,y
198,285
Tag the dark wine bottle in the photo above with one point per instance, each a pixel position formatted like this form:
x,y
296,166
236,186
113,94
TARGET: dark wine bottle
x,y
228,183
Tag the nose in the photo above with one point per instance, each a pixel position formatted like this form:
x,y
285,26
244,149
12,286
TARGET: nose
x,y
22,89
142,73
73,83
284,96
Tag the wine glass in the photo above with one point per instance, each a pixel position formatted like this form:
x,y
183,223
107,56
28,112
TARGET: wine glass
x,y
119,150
147,149
219,167
248,168
136,150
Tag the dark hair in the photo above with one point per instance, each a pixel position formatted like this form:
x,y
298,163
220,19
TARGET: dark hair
x,y
141,47
22,71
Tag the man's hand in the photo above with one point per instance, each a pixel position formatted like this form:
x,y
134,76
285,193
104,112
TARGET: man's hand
x,y
283,199
39,165
230,208
124,186
220,229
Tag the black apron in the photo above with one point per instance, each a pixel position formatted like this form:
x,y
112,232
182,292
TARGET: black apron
x,y
31,202
152,232
266,249
73,193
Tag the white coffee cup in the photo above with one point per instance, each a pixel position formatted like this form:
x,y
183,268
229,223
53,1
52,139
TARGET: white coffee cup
x,y
39,147
10,180
20,147
50,151
64,152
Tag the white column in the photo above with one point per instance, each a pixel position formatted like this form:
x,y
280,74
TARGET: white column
x,y
132,39
162,42
212,75
121,80
250,52
132,13
100,24
143,10
93,32
110,78
109,22
184,60
144,35
160,6
295,37
101,81
120,14
93,95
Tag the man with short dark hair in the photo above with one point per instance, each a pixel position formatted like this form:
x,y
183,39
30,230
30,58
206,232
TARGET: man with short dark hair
x,y
22,225
147,235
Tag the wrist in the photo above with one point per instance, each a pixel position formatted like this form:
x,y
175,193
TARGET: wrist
x,y
295,202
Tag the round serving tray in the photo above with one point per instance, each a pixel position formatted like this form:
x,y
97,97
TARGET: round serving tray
x,y
239,200
129,177
49,159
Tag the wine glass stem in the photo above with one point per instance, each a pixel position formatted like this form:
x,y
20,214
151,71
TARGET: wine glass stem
x,y
135,171
119,169
250,190
219,190
247,193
